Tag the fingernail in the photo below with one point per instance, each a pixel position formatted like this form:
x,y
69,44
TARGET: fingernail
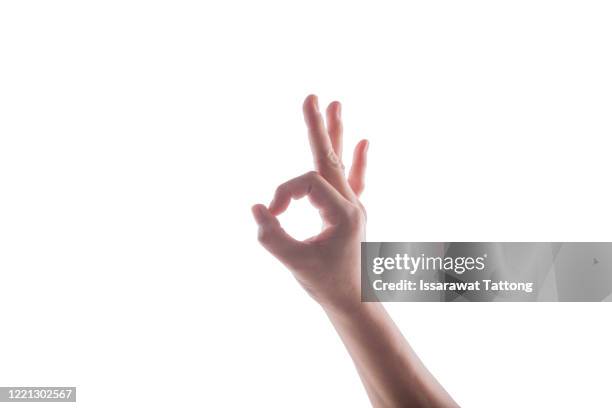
x,y
272,203
257,213
315,102
339,111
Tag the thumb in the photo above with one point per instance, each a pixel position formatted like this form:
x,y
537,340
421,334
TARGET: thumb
x,y
273,237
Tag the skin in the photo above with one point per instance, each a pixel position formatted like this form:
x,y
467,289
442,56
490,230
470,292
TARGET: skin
x,y
328,266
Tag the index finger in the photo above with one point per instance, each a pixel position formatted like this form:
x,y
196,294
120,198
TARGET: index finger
x,y
326,198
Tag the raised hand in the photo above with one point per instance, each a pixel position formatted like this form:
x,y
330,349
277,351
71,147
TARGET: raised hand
x,y
327,265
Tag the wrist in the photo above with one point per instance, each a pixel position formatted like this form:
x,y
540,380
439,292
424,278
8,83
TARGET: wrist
x,y
354,311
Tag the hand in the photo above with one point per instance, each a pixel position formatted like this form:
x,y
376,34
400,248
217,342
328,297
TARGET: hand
x,y
328,267
328,264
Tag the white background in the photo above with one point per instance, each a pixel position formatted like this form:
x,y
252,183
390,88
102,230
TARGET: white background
x,y
135,136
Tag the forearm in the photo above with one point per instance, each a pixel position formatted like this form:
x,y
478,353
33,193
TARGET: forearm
x,y
327,266
391,372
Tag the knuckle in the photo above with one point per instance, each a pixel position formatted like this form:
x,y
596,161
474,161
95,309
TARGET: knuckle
x,y
280,189
330,159
261,236
314,177
264,236
355,215
335,127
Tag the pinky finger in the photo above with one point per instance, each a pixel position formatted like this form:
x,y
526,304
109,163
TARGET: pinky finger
x,y
356,178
